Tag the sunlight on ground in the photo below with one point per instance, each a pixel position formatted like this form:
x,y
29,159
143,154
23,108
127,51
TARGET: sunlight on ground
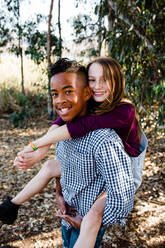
x,y
50,239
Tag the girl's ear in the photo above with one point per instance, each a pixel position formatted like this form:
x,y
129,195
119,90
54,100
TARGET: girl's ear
x,y
87,93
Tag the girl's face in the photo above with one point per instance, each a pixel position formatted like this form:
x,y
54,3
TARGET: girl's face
x,y
97,82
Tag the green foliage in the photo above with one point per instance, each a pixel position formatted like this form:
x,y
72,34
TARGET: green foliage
x,y
19,106
160,98
19,119
5,35
135,36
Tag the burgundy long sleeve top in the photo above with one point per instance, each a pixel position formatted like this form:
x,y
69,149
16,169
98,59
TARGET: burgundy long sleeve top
x,y
121,119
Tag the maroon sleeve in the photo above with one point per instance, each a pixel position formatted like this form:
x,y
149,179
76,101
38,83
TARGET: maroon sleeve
x,y
121,116
58,122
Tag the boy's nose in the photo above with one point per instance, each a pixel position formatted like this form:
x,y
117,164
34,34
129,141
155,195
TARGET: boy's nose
x,y
60,98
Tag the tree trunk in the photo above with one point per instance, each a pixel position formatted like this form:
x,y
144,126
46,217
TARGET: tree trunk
x,y
99,39
49,98
59,28
110,28
22,71
20,47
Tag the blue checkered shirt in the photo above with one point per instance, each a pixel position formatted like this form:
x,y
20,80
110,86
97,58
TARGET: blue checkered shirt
x,y
94,164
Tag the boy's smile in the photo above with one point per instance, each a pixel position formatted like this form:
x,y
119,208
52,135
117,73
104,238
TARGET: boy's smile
x,y
69,95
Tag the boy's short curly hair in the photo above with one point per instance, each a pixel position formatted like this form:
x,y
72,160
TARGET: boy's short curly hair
x,y
67,65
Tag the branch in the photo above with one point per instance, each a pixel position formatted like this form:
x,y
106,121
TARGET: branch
x,y
113,5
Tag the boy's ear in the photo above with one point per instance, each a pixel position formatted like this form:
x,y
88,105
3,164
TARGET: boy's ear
x,y
87,93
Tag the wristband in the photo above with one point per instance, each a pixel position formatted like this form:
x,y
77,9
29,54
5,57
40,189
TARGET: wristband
x,y
33,146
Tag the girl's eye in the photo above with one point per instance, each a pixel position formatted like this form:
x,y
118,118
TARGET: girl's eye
x,y
91,80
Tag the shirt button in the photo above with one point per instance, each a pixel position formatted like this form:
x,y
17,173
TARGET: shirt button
x,y
65,155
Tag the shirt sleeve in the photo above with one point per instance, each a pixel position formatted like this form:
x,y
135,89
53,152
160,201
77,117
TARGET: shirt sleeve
x,y
58,122
121,116
115,166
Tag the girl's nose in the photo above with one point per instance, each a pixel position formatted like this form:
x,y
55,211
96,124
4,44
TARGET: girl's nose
x,y
98,84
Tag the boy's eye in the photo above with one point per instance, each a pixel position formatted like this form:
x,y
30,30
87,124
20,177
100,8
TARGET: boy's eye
x,y
68,92
54,94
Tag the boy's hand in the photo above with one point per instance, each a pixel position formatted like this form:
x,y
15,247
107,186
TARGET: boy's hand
x,y
72,220
61,204
64,208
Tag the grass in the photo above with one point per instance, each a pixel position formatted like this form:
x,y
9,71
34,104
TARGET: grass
x,y
35,82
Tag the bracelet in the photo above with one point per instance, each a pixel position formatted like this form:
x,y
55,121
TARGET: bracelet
x,y
33,146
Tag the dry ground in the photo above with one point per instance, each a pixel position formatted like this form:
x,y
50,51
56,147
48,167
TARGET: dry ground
x,y
37,225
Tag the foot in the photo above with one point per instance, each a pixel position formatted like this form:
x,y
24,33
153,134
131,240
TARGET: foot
x,y
8,211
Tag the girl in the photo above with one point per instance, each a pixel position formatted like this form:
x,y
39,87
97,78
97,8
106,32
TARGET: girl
x,y
110,109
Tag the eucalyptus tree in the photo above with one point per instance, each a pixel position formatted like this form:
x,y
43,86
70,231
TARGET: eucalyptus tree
x,y
5,35
135,36
137,41
16,30
59,28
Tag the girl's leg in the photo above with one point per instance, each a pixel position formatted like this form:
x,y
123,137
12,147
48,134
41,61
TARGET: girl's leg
x,y
91,224
9,208
50,169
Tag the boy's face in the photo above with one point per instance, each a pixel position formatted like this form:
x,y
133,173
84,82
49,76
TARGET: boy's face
x,y
69,95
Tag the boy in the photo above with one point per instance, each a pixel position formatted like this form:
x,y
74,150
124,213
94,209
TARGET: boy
x,y
92,164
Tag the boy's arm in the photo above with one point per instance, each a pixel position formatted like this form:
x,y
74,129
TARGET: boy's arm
x,y
115,167
59,197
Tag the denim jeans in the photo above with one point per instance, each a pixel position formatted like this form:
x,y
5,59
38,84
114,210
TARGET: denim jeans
x,y
69,236
137,163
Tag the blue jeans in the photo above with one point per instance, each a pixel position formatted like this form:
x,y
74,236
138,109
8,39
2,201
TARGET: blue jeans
x,y
69,236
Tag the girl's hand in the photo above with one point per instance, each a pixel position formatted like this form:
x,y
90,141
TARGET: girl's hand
x,y
25,160
26,149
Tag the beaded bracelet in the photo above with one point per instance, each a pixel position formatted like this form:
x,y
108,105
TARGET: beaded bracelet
x,y
33,146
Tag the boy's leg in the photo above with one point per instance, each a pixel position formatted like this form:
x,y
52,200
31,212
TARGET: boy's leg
x,y
75,234
66,234
50,169
90,225
9,208
100,236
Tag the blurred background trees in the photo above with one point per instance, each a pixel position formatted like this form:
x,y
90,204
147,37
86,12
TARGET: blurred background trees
x,y
131,31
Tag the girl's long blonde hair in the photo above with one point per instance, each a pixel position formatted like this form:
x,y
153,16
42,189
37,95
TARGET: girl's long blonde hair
x,y
114,76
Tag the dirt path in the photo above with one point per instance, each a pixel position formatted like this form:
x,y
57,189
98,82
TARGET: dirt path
x,y
37,225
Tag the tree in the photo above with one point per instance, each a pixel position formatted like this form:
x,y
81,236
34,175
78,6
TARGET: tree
x,y
135,36
14,8
49,47
52,41
136,42
5,36
59,28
